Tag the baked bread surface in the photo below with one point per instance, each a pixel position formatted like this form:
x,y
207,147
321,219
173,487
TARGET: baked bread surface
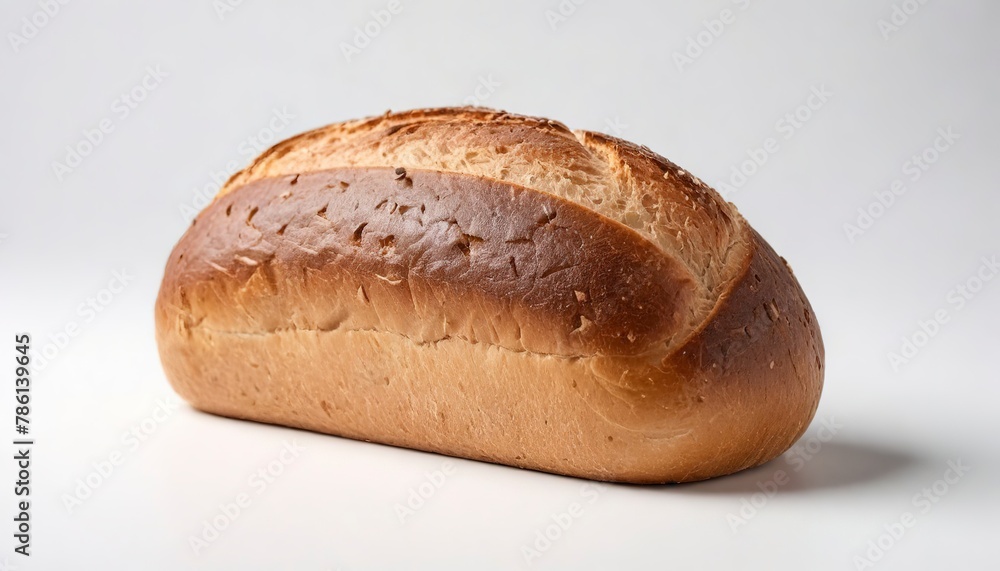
x,y
496,287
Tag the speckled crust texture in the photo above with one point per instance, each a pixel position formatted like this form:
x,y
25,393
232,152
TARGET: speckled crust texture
x,y
494,287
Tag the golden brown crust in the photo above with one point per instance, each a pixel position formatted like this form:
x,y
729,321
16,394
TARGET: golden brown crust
x,y
427,255
612,177
614,319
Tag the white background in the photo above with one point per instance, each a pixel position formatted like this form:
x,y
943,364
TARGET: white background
x,y
607,66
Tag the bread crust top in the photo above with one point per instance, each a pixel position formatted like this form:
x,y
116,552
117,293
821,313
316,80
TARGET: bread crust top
x,y
697,233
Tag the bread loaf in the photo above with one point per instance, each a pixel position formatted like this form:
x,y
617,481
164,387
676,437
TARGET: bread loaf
x,y
496,287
